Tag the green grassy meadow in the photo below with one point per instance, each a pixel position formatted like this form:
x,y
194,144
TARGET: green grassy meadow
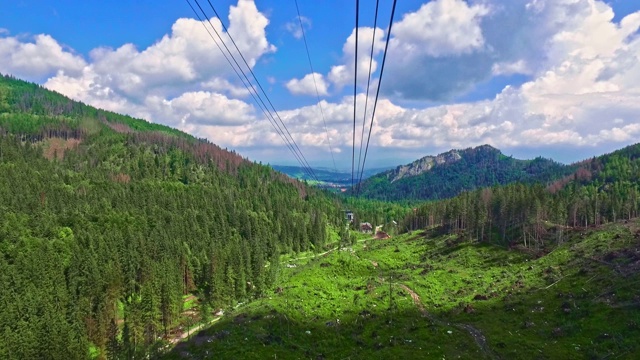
x,y
576,300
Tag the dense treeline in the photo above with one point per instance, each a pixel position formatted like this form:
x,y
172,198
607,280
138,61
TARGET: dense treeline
x,y
377,213
100,241
38,109
604,189
476,168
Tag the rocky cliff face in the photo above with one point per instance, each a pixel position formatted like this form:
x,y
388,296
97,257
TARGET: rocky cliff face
x,y
423,165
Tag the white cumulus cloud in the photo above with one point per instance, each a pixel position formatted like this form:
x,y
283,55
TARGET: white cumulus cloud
x,y
294,26
37,59
308,85
440,28
180,80
579,94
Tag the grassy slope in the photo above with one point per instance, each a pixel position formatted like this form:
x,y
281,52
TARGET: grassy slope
x,y
581,300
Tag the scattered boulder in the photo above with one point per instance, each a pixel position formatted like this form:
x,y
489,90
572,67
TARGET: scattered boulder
x,y
241,319
529,324
221,334
270,339
557,332
480,297
612,256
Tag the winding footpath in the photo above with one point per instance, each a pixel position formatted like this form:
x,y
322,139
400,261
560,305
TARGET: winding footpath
x,y
323,253
178,338
476,334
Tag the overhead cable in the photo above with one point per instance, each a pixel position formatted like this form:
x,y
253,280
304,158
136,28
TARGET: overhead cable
x,y
375,103
295,145
313,75
366,101
253,93
355,88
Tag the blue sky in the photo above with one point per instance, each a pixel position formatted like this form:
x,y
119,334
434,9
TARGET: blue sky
x,y
557,78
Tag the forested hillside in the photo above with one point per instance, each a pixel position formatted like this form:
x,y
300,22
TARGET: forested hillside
x,y
603,189
450,173
107,221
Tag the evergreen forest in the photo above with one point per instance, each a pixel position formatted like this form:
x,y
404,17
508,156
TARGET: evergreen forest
x,y
125,239
457,171
107,222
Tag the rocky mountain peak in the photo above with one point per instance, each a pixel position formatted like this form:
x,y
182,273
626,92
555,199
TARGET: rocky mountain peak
x,y
423,165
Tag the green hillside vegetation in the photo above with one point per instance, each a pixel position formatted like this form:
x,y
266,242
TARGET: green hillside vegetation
x,y
602,190
119,238
112,227
478,167
28,109
429,295
516,272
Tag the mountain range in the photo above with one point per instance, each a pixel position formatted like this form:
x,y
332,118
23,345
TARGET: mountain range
x,y
120,237
326,177
450,173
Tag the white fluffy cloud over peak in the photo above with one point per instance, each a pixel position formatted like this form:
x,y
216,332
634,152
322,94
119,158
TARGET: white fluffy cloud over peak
x,y
441,27
37,59
184,58
181,79
583,92
585,96
434,57
342,74
203,107
578,71
247,26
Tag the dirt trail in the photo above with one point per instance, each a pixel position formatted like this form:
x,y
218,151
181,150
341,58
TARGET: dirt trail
x,y
476,334
179,337
322,253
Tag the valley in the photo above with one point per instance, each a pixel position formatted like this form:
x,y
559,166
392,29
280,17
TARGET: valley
x,y
327,178
126,239
433,296
190,180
